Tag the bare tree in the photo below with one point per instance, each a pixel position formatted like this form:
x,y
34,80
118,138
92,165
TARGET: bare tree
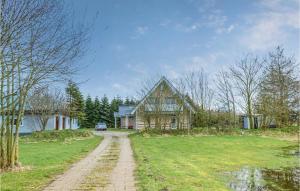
x,y
199,90
180,98
225,95
279,91
38,45
146,86
247,77
43,104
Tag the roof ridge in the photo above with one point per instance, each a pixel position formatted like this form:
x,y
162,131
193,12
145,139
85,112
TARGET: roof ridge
x,y
173,88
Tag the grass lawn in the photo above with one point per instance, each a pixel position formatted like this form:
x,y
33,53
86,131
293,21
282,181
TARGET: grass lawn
x,y
201,163
121,130
46,159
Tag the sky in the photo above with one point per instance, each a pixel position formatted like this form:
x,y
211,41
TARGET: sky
x,y
134,40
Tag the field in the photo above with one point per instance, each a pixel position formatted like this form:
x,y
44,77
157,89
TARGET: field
x,y
43,158
213,162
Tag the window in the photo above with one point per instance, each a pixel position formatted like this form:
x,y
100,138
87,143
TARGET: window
x,y
173,123
152,100
15,122
170,100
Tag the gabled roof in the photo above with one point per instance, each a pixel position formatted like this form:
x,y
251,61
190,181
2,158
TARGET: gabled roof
x,y
124,110
173,89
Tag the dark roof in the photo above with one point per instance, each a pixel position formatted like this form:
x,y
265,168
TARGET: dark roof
x,y
124,110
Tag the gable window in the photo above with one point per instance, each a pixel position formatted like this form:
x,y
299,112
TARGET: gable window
x,y
170,100
152,100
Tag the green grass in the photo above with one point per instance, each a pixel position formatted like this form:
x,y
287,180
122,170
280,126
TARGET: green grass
x,y
121,130
200,163
45,160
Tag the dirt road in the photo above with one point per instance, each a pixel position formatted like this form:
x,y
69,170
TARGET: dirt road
x,y
109,167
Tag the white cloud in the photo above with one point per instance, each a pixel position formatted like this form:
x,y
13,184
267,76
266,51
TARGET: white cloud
x,y
209,17
230,28
117,86
139,31
123,88
198,63
203,6
192,64
272,26
170,71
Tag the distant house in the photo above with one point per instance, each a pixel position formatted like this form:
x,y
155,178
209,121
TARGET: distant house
x,y
57,121
162,107
127,120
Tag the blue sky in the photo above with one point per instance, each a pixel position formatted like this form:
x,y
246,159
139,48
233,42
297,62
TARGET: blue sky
x,y
133,40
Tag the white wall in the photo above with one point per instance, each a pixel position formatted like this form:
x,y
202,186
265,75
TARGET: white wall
x,y
74,123
30,123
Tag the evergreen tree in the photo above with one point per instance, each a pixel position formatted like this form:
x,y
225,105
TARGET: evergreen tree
x,y
75,103
127,101
130,101
89,121
114,107
97,110
105,110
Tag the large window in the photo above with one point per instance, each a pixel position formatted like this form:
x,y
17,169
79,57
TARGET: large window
x,y
168,104
170,100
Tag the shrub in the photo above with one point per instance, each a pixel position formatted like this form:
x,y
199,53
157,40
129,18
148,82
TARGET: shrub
x,y
220,131
59,135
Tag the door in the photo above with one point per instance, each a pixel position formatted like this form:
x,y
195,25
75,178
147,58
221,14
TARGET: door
x,y
173,123
57,123
255,123
64,123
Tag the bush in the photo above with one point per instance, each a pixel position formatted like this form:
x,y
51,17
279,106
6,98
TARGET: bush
x,y
59,135
220,131
193,131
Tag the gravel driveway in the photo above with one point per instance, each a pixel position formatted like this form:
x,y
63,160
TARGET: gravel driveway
x,y
97,172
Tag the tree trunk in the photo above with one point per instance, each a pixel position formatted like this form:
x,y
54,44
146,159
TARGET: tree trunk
x,y
250,116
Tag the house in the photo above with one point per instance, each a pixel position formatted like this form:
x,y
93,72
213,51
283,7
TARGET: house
x,y
56,121
127,120
162,107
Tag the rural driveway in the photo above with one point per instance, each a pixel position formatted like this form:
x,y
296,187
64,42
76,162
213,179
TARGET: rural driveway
x,y
97,172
